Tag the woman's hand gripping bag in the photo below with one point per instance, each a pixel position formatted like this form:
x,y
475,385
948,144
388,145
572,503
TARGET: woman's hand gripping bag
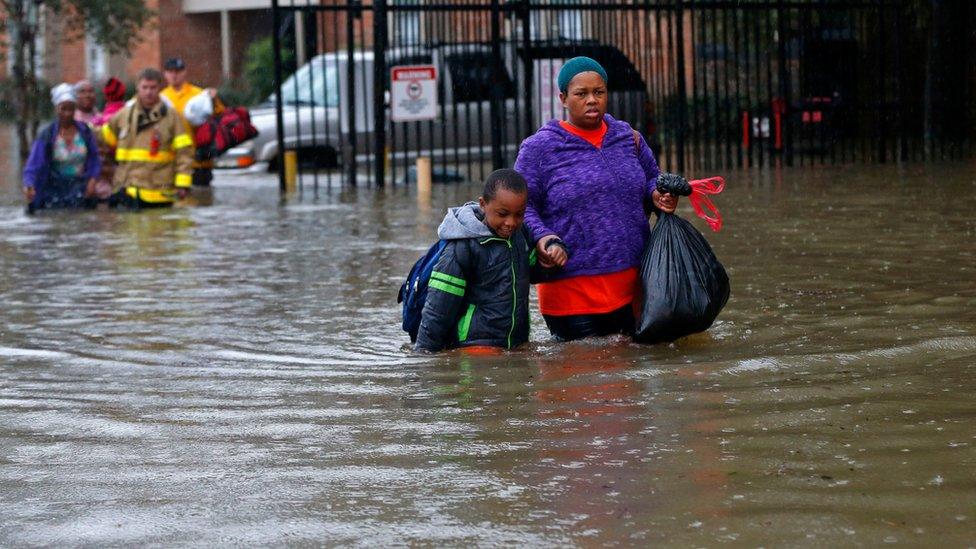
x,y
684,285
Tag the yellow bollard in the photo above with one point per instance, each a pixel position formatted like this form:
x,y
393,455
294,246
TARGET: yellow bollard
x,y
425,181
291,170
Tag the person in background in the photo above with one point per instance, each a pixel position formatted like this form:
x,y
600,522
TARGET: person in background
x,y
85,110
153,153
592,181
178,92
114,92
63,162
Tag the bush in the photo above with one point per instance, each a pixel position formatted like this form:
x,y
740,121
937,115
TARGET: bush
x,y
259,68
239,93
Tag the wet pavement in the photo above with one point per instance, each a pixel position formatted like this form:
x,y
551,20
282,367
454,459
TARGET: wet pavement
x,y
236,374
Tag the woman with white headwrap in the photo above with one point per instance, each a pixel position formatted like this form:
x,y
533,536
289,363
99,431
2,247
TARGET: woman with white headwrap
x,y
64,161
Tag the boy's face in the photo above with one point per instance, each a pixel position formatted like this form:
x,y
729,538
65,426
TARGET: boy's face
x,y
505,212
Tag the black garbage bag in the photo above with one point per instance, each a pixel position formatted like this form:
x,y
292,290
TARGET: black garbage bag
x,y
684,285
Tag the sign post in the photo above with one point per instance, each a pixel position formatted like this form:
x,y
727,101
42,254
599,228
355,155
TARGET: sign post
x,y
413,93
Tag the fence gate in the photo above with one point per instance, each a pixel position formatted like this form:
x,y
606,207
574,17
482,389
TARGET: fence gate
x,y
710,84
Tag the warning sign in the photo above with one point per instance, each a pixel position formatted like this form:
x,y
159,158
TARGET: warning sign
x,y
413,93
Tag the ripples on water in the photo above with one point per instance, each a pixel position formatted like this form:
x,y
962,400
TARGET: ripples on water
x,y
236,375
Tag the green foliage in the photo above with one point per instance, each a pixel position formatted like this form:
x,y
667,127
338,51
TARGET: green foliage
x,y
259,68
115,24
239,93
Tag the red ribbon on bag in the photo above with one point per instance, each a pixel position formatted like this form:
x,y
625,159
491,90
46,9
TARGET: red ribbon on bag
x,y
700,189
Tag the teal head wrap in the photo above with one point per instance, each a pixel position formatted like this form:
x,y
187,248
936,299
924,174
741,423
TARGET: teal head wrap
x,y
575,66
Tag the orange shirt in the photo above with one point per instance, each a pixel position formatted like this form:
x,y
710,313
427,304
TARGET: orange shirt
x,y
588,294
594,137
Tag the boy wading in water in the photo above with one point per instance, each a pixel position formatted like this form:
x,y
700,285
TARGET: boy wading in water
x,y
479,290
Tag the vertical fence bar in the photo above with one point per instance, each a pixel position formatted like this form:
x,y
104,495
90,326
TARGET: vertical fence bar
x,y
437,21
757,103
883,109
801,51
679,14
727,120
279,117
900,85
300,143
366,100
513,118
527,68
350,156
379,89
695,123
334,62
740,116
475,23
311,97
497,93
771,150
714,89
749,46
786,151
660,87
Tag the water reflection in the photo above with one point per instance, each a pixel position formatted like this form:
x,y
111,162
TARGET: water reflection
x,y
236,375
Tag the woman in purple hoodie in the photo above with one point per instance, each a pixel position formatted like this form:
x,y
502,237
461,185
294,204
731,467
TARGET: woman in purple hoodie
x,y
63,162
591,182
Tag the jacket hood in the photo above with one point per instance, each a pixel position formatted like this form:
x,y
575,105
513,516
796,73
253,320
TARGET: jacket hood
x,y
465,221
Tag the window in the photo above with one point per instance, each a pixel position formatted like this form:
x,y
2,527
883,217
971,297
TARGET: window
x,y
474,73
96,62
315,84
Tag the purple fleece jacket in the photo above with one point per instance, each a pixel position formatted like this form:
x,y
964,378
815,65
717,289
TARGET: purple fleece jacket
x,y
594,199
39,162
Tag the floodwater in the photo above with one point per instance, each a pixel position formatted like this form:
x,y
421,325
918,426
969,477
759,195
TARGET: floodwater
x,y
236,375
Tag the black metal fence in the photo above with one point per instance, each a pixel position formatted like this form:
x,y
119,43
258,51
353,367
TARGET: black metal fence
x,y
711,84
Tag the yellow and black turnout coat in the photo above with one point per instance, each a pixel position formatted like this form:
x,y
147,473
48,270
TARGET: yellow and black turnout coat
x,y
153,152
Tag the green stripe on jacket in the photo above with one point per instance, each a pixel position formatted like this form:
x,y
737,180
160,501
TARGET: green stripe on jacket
x,y
444,287
437,275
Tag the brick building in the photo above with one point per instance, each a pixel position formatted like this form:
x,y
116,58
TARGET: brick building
x,y
212,35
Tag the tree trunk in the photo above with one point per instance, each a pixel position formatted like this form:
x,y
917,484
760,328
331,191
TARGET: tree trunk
x,y
31,98
23,25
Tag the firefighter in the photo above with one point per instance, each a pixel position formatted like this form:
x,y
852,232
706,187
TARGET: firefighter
x,y
154,155
179,92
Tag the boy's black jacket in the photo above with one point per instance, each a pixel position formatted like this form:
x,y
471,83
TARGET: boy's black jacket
x,y
479,290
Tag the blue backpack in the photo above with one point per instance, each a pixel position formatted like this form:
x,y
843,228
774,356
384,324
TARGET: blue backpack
x,y
413,292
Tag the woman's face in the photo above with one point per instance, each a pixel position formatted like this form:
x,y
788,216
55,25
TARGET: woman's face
x,y
86,97
66,111
585,100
